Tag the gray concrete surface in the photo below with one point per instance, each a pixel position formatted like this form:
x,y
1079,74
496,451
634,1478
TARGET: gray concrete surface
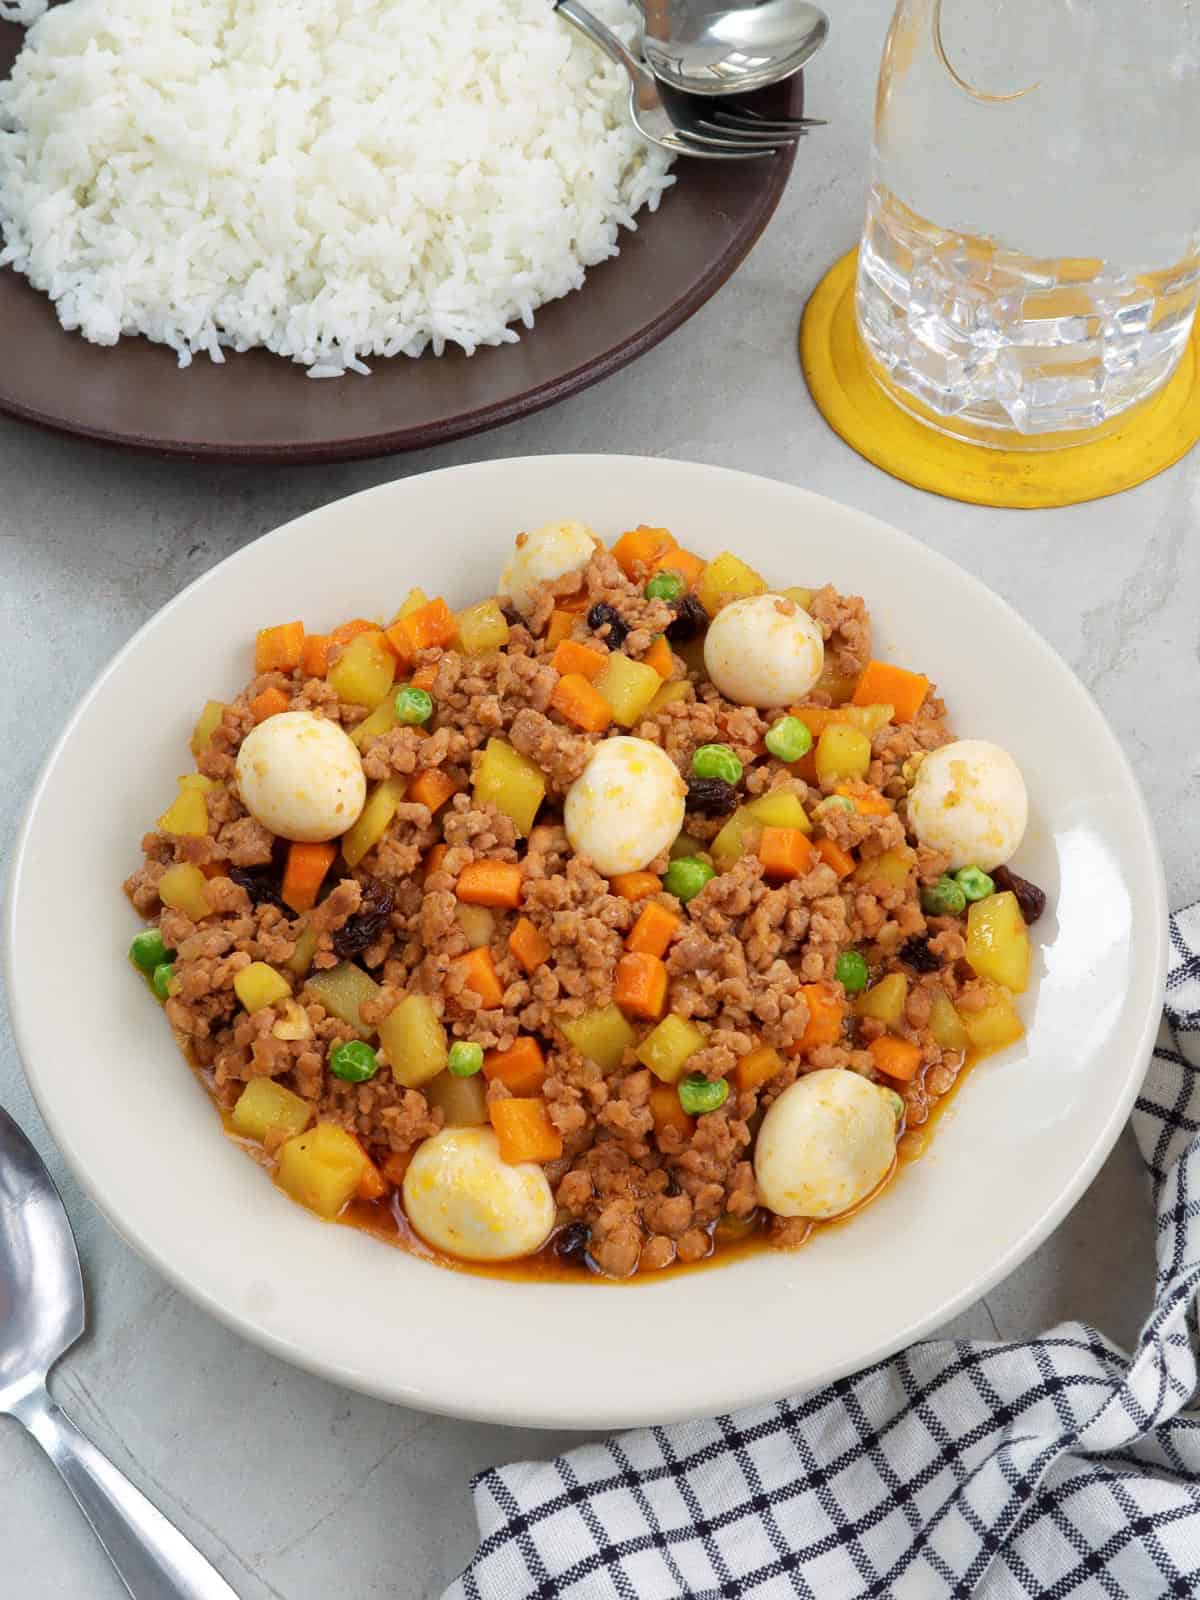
x,y
294,1488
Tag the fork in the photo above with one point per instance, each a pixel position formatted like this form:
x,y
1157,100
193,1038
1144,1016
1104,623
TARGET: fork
x,y
679,129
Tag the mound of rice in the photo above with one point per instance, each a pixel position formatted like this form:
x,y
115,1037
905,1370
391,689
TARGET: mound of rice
x,y
332,179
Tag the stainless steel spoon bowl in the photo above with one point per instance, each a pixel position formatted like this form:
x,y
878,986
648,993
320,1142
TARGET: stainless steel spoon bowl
x,y
721,47
41,1317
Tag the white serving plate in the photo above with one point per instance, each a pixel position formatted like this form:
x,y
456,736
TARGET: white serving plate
x,y
1022,1140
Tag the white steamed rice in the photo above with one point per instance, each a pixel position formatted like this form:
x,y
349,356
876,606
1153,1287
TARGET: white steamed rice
x,y
332,179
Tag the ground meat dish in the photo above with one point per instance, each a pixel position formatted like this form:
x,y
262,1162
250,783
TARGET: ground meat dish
x,y
649,1165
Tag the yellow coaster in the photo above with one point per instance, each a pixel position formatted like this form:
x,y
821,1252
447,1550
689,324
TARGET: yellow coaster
x,y
1157,434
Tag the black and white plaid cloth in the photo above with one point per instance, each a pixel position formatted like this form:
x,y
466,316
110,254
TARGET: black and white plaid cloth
x,y
1054,1469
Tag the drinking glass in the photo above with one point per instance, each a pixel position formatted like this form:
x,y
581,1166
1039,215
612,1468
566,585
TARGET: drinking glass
x,y
1031,259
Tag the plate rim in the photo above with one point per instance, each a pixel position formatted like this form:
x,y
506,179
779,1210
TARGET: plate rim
x,y
587,1413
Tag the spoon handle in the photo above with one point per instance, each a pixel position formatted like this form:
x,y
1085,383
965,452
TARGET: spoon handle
x,y
152,1558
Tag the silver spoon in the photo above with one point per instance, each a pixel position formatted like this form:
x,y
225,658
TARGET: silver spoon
x,y
41,1317
717,47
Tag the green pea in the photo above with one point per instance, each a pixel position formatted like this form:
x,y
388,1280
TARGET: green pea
x,y
832,802
975,885
698,1094
413,705
664,586
851,972
353,1061
789,739
686,876
466,1058
895,1102
163,974
945,898
716,761
148,951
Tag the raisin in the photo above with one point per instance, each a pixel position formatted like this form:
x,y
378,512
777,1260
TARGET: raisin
x,y
1030,898
711,797
366,925
918,955
263,885
602,615
691,619
572,1243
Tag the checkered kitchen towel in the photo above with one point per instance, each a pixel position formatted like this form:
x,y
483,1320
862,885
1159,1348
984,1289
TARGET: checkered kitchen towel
x,y
1060,1468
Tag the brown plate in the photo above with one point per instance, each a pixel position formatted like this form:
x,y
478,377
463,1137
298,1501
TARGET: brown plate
x,y
258,407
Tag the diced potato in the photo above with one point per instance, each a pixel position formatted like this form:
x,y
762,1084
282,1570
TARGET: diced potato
x,y
266,1107
382,720
482,628
259,985
668,694
691,654
885,1000
294,1022
996,1025
187,815
739,837
997,941
197,780
207,724
301,957
363,673
686,845
843,751
342,990
668,1047
945,1024
781,808
477,922
602,1036
414,600
184,888
415,1041
322,1169
727,578
802,597
629,687
893,866
510,782
463,1101
374,821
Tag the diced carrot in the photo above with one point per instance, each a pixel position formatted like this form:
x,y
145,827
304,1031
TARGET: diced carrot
x,y
560,627
688,566
659,657
431,787
579,658
581,704
346,631
430,625
279,649
806,768
635,885
825,1013
527,945
899,1058
214,869
425,678
867,802
641,986
816,718
269,704
371,1185
524,1131
884,684
653,930
641,547
573,604
490,883
479,974
305,872
314,657
521,1068
786,853
832,854
668,1113
759,1067
396,1165
435,857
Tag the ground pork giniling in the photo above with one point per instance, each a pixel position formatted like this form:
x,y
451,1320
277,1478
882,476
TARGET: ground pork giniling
x,y
635,1189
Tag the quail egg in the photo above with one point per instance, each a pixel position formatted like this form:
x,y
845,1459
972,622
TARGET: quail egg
x,y
550,552
828,1140
764,651
463,1199
301,777
969,799
626,807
